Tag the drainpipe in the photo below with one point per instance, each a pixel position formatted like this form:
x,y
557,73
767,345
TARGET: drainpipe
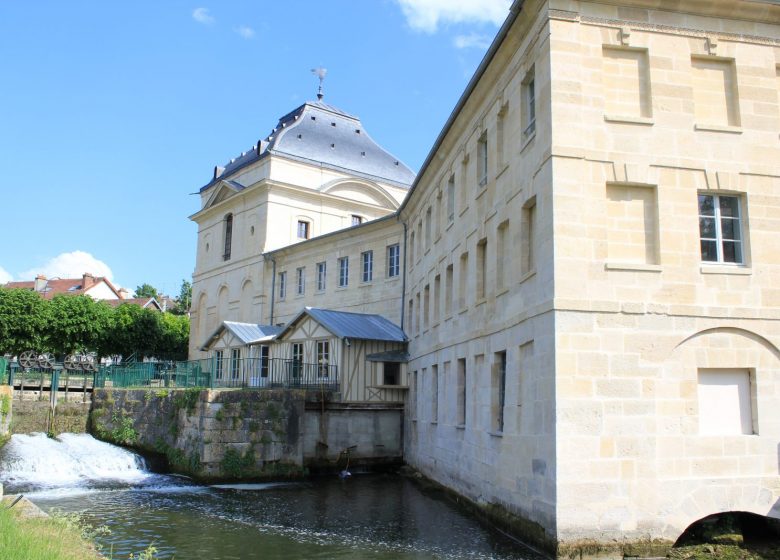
x,y
403,282
273,288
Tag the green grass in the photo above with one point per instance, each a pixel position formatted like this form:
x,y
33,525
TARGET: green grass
x,y
43,538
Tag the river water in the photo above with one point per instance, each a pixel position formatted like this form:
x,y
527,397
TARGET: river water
x,y
363,517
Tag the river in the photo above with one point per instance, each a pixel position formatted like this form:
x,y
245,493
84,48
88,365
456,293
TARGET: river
x,y
363,517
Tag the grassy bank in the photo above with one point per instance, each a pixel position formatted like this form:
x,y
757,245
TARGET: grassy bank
x,y
43,538
765,551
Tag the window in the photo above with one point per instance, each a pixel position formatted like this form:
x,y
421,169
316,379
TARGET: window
x,y
411,249
500,119
428,226
626,74
300,280
528,242
264,361
463,280
391,373
426,306
436,298
632,223
461,386
418,316
715,96
411,316
367,262
393,260
501,235
282,285
303,229
434,393
451,199
321,277
725,402
296,364
481,268
448,292
235,363
482,159
720,229
356,220
499,391
529,104
343,272
323,358
228,237
218,363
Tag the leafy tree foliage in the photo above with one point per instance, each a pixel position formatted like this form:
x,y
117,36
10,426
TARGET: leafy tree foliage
x,y
184,301
22,320
146,290
67,324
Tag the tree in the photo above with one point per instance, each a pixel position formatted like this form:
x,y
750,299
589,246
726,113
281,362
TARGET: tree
x,y
133,330
23,318
184,301
174,337
146,291
76,323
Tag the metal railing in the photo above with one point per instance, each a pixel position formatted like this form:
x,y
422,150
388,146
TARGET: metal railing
x,y
227,372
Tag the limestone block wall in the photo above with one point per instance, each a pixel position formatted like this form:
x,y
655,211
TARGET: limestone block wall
x,y
36,416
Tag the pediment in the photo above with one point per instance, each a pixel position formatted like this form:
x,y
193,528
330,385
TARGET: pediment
x,y
224,190
361,191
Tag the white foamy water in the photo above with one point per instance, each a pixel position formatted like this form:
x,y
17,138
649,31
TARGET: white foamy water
x,y
70,459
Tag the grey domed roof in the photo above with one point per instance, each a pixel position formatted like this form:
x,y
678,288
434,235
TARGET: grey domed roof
x,y
318,133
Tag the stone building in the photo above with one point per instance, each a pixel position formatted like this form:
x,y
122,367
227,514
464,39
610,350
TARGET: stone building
x,y
589,274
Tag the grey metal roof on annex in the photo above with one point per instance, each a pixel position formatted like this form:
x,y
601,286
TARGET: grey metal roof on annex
x,y
318,132
248,333
358,326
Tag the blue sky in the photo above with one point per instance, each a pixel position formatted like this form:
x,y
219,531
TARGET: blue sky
x,y
112,113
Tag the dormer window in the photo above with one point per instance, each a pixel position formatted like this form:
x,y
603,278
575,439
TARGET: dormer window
x,y
228,237
303,229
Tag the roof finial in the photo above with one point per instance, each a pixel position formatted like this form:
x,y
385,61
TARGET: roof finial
x,y
320,73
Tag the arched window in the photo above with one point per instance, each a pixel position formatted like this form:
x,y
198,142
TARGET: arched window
x,y
228,236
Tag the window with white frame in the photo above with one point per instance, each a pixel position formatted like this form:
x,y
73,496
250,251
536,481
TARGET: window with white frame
x,y
296,363
720,229
343,272
303,229
323,358
235,363
218,363
393,260
321,270
367,264
282,285
300,280
529,104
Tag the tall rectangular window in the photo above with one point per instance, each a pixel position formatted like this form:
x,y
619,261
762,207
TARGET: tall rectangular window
x,y
264,360
410,319
451,198
500,122
228,237
343,272
434,393
499,391
481,268
526,356
393,260
482,160
427,306
321,271
528,241
296,364
529,104
501,236
436,298
449,294
300,280
282,285
461,388
428,227
323,358
303,229
720,229
418,317
463,275
235,363
411,249
391,373
367,262
219,366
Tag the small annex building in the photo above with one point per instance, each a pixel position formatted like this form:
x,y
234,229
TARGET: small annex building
x,y
360,355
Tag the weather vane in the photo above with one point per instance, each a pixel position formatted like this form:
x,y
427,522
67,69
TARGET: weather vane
x,y
320,73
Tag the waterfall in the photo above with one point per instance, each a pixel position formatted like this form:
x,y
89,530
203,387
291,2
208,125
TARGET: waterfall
x,y
68,460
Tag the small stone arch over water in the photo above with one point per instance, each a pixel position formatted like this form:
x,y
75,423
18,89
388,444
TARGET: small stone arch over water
x,y
741,528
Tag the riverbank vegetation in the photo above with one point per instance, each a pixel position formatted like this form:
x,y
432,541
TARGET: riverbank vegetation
x,y
76,323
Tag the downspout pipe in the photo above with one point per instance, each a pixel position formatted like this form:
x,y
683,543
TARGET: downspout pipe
x,y
273,288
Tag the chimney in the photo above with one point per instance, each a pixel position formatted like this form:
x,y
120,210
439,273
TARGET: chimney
x,y
87,281
123,293
40,283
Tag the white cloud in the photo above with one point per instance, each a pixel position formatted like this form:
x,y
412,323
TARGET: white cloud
x,y
202,15
5,276
472,41
245,31
425,15
69,265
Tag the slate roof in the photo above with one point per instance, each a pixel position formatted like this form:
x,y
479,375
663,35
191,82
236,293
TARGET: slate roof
x,y
54,286
319,133
248,333
145,302
358,326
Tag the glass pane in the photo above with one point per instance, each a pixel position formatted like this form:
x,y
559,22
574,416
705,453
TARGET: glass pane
x,y
729,206
732,252
729,228
706,205
709,251
707,228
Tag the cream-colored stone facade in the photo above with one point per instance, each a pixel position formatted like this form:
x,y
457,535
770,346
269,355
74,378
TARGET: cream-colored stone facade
x,y
589,273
